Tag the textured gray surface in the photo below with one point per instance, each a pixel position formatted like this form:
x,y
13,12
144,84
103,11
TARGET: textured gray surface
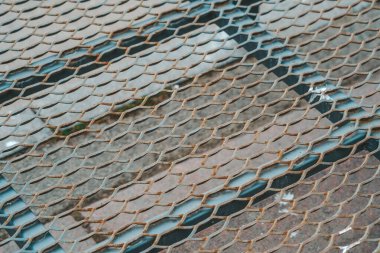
x,y
85,168
20,128
329,211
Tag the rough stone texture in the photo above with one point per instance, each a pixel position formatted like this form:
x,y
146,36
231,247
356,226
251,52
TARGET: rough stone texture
x,y
326,211
333,38
145,143
20,128
9,247
291,18
138,202
42,34
70,233
83,98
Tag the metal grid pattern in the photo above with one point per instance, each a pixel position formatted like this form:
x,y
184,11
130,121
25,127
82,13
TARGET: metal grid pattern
x,y
335,210
201,125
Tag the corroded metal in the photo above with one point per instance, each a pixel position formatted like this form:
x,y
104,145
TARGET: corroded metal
x,y
182,126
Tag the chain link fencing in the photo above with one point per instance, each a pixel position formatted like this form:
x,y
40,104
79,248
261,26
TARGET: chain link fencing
x,y
189,126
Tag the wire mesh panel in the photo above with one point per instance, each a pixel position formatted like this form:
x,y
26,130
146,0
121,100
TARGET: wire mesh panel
x,y
182,126
334,210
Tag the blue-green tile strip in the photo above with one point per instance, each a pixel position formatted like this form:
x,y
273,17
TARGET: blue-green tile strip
x,y
99,52
22,224
274,55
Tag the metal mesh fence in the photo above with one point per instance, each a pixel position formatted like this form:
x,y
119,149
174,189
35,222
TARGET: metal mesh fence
x,y
334,211
182,126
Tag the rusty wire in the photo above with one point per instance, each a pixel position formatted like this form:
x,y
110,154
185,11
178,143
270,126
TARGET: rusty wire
x,y
182,126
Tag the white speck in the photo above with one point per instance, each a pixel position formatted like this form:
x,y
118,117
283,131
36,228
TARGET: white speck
x,y
285,210
293,234
176,87
347,247
288,196
344,230
319,92
317,89
11,143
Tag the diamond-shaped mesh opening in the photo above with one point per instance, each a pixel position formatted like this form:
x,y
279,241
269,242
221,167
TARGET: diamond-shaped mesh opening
x,y
209,126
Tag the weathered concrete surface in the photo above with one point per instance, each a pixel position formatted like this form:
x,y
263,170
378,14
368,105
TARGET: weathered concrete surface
x,y
326,212
135,76
72,236
9,247
20,127
294,17
140,202
44,29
